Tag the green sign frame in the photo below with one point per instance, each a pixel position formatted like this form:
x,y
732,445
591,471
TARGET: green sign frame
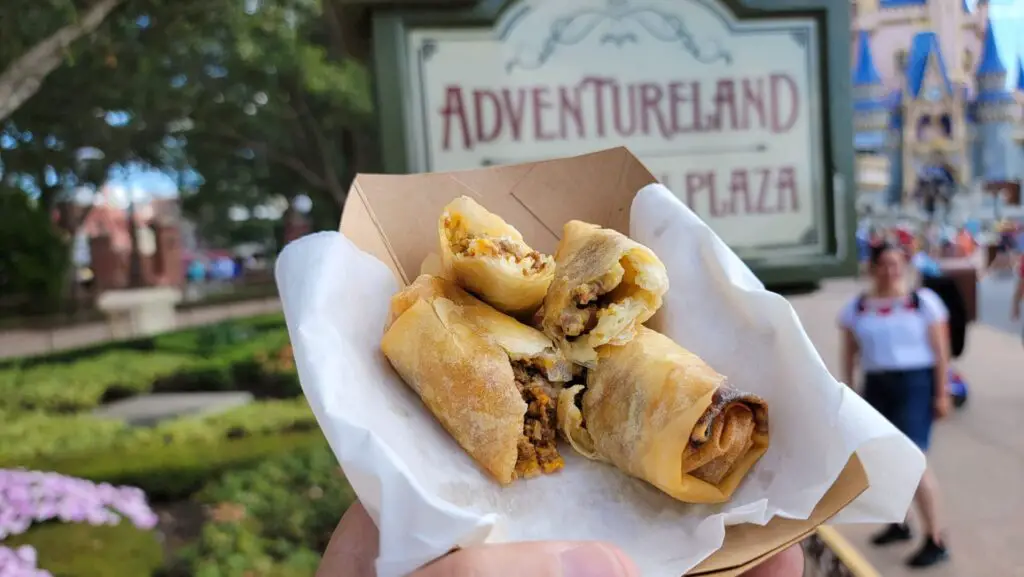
x,y
832,18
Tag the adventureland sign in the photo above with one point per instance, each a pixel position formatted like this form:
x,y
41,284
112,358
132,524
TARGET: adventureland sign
x,y
723,111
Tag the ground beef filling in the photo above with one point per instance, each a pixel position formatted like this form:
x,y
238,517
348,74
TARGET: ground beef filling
x,y
531,260
538,450
589,298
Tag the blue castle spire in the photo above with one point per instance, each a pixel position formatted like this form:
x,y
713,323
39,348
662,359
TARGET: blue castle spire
x,y
991,72
993,111
923,48
872,109
865,73
1020,74
868,91
991,62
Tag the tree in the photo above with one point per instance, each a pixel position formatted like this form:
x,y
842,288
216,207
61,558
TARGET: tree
x,y
23,76
279,110
34,260
262,100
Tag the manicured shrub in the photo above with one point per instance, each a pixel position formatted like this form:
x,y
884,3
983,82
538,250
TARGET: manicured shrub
x,y
85,384
26,435
204,375
174,471
29,436
269,520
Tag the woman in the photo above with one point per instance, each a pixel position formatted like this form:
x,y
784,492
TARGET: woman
x,y
898,337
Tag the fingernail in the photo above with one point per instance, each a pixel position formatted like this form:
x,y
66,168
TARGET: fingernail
x,y
592,560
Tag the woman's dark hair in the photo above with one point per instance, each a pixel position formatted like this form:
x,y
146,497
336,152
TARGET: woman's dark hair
x,y
878,250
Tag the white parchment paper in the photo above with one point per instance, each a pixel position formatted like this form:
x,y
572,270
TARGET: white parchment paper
x,y
427,496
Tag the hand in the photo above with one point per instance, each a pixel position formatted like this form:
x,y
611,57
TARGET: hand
x,y
353,549
943,406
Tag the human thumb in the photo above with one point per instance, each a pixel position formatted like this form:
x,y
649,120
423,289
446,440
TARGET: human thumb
x,y
540,559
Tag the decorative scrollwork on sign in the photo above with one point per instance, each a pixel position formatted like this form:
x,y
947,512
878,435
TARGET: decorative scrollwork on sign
x,y
428,48
810,236
801,37
574,28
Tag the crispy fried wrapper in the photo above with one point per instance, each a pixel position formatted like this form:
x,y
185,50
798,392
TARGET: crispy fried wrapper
x,y
659,413
489,258
491,381
605,286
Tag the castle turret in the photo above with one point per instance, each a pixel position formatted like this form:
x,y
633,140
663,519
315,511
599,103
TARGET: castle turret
x,y
872,115
870,111
994,106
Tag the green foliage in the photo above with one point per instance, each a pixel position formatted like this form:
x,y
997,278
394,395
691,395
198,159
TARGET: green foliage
x,y
34,258
237,355
24,436
212,340
29,436
82,550
85,384
261,418
167,472
271,519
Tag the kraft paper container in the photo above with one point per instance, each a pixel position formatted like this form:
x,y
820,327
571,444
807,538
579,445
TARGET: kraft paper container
x,y
329,286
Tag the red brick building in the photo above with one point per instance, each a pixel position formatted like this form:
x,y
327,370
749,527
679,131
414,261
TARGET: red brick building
x,y
106,228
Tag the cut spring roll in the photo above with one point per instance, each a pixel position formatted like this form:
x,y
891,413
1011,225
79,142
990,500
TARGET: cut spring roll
x,y
605,286
491,381
488,257
659,413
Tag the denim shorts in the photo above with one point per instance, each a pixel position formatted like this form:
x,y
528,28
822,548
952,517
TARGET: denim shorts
x,y
906,399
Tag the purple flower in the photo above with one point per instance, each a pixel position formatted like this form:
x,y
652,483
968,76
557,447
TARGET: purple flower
x,y
35,496
20,562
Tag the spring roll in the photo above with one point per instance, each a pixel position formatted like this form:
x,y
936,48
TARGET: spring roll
x,y
605,286
491,381
488,257
659,413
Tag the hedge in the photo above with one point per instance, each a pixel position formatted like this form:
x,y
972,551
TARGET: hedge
x,y
270,520
85,384
221,358
82,550
168,472
193,337
27,436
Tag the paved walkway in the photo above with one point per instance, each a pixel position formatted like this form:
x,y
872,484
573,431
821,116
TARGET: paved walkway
x,y
977,454
20,343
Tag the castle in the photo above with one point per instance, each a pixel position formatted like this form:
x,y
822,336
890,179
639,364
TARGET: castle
x,y
937,85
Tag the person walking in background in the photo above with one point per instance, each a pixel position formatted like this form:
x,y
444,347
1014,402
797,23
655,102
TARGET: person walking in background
x,y
923,261
898,337
965,243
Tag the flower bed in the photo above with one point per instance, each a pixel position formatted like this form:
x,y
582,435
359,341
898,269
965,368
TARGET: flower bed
x,y
34,497
259,520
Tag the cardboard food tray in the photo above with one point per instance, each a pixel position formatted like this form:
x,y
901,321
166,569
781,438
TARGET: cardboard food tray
x,y
394,218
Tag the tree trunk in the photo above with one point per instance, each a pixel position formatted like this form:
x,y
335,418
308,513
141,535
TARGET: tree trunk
x,y
25,75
